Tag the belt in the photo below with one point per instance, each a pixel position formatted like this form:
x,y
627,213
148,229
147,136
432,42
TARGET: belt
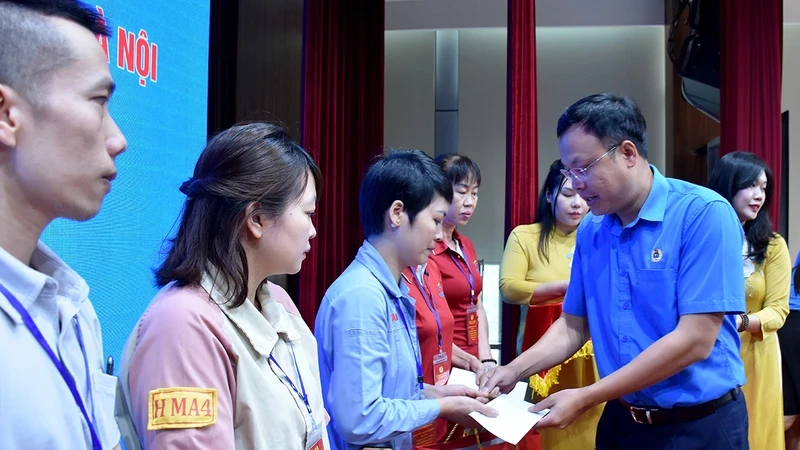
x,y
657,416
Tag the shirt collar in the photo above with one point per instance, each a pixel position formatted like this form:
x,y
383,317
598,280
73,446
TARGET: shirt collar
x,y
369,257
260,329
653,209
276,314
47,275
441,246
656,204
560,235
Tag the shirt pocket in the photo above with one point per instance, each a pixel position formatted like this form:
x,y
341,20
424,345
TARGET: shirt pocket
x,y
104,391
654,294
400,353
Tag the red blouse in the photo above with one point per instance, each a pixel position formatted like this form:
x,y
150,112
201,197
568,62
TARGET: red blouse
x,y
427,330
428,335
457,287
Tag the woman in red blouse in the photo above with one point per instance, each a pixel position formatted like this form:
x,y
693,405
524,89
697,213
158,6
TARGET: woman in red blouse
x,y
435,334
458,263
435,326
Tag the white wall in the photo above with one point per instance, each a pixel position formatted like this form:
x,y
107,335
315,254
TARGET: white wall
x,y
791,102
439,14
409,90
574,62
571,63
791,12
482,132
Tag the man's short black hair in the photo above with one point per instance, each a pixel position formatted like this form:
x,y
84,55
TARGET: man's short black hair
x,y
608,117
31,49
410,176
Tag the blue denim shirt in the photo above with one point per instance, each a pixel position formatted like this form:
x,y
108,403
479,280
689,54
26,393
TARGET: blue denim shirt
x,y
682,255
368,358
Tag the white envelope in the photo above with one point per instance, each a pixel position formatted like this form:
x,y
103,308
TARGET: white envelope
x,y
513,419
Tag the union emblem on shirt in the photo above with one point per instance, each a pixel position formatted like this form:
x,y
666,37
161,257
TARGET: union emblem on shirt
x,y
656,255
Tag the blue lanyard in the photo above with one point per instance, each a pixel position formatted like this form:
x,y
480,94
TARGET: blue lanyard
x,y
303,396
432,306
470,278
28,320
417,358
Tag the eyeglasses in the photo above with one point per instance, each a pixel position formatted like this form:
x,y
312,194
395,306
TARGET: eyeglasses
x,y
581,174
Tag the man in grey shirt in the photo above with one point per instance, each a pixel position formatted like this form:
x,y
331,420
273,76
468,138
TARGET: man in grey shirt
x,y
58,144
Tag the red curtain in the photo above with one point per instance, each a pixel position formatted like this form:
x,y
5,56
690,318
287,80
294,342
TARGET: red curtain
x,y
342,126
751,51
521,141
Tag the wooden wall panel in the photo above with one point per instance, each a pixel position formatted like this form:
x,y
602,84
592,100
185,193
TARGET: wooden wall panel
x,y
269,62
255,68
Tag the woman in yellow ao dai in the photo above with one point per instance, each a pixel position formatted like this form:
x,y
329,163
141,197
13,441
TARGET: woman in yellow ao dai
x,y
746,182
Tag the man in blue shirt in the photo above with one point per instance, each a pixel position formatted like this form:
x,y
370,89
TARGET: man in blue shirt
x,y
656,271
58,145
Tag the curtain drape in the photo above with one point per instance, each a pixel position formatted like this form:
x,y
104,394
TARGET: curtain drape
x,y
521,142
342,127
751,60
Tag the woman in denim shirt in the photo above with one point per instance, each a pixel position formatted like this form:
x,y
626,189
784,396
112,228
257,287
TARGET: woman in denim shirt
x,y
369,354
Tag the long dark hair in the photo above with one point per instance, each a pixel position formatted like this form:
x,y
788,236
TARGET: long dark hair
x,y
245,164
545,210
734,172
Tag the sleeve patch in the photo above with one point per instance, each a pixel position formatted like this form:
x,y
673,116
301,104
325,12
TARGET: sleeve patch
x,y
181,407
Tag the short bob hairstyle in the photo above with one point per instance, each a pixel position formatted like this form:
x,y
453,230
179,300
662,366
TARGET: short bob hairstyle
x,y
410,176
459,169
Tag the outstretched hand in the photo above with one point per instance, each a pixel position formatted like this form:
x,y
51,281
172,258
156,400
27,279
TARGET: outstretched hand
x,y
499,379
455,390
565,406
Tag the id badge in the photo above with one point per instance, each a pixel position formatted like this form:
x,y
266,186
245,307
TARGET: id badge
x,y
472,325
441,373
314,440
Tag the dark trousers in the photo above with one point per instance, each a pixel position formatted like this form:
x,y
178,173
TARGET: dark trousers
x,y
725,429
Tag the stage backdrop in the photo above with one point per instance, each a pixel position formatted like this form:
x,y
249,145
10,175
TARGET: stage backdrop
x,y
158,57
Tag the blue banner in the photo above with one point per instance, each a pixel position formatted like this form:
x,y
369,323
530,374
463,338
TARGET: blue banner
x,y
158,56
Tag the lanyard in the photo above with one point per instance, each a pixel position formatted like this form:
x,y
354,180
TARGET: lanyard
x,y
303,396
417,358
432,306
468,275
28,320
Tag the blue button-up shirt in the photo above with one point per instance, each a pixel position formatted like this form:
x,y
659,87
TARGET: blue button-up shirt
x,y
794,299
368,356
681,255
